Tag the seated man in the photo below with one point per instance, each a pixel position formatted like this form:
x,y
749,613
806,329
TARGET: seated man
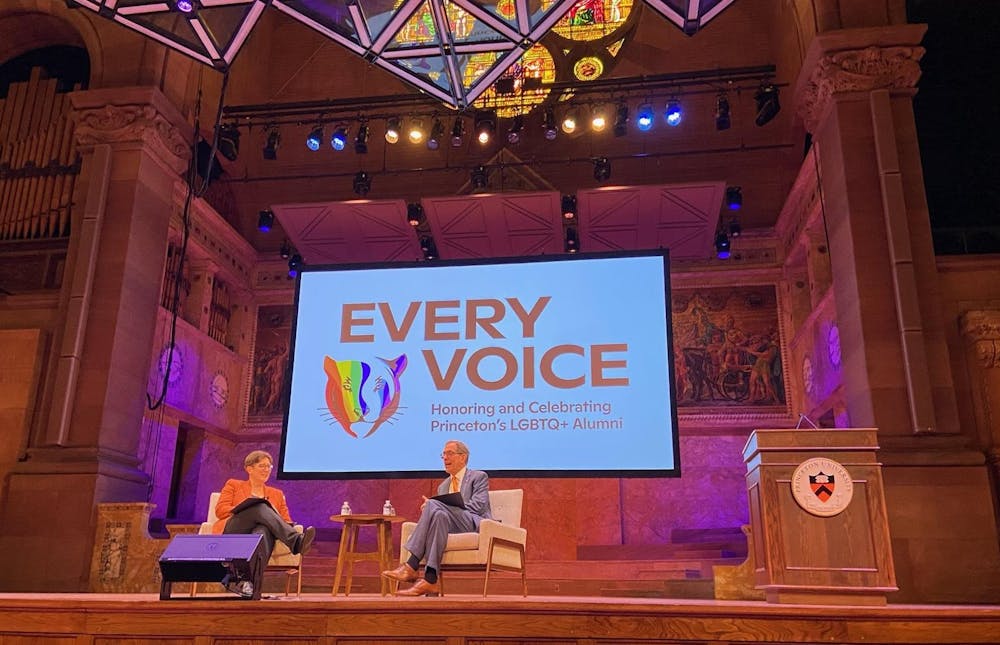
x,y
437,520
271,520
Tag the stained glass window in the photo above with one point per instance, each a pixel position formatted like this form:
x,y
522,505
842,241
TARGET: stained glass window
x,y
593,19
523,86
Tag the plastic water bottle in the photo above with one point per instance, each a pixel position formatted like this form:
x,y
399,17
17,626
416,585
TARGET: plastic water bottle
x,y
387,508
345,509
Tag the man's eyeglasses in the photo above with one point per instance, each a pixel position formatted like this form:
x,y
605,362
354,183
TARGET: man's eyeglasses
x,y
450,453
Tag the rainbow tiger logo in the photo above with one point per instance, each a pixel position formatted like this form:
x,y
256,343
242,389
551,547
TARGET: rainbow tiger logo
x,y
360,392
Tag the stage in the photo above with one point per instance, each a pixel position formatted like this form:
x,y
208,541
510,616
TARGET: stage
x,y
461,619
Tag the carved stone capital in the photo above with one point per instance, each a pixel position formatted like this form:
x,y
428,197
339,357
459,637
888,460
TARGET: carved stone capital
x,y
857,70
133,116
130,123
981,328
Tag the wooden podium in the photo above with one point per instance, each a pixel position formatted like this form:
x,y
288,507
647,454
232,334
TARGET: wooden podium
x,y
817,511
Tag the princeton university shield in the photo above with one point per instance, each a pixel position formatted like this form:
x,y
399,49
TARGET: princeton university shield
x,y
822,487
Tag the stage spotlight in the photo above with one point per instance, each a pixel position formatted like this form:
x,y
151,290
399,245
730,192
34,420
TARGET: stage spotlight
x,y
361,138
338,140
271,144
265,220
721,245
734,228
734,198
392,130
621,120
645,117
416,132
457,132
485,125
315,138
479,177
428,247
549,124
362,183
185,6
516,127
570,121
294,263
229,141
599,118
673,112
286,250
722,119
767,103
571,244
415,214
437,133
568,206
602,169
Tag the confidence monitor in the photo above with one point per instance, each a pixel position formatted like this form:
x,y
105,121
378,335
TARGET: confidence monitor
x,y
543,366
212,558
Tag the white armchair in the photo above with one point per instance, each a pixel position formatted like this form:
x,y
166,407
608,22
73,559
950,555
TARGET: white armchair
x,y
498,546
282,558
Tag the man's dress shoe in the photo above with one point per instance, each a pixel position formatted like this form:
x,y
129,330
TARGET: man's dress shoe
x,y
421,588
402,573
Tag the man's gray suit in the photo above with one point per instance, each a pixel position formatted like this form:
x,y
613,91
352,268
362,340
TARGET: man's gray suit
x,y
437,520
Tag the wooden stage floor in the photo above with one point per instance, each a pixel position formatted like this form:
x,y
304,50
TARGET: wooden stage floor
x,y
465,619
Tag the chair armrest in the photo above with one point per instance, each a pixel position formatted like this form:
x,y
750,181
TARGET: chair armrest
x,y
205,528
489,529
508,544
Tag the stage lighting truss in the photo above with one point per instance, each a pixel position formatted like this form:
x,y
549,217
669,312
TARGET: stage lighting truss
x,y
451,49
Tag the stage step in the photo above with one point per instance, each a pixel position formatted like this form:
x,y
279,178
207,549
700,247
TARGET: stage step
x,y
626,578
510,585
680,569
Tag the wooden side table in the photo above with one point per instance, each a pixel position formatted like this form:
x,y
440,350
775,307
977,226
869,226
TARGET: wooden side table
x,y
348,553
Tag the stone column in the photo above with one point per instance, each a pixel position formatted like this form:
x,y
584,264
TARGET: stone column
x,y
84,449
981,331
855,97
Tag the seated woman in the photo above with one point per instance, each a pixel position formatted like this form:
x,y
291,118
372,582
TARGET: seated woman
x,y
270,520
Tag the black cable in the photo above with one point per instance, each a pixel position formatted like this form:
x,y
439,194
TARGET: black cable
x,y
186,230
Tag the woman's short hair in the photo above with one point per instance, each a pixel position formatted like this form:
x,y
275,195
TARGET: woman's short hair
x,y
256,457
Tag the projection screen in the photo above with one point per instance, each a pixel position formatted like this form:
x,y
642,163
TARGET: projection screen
x,y
543,366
